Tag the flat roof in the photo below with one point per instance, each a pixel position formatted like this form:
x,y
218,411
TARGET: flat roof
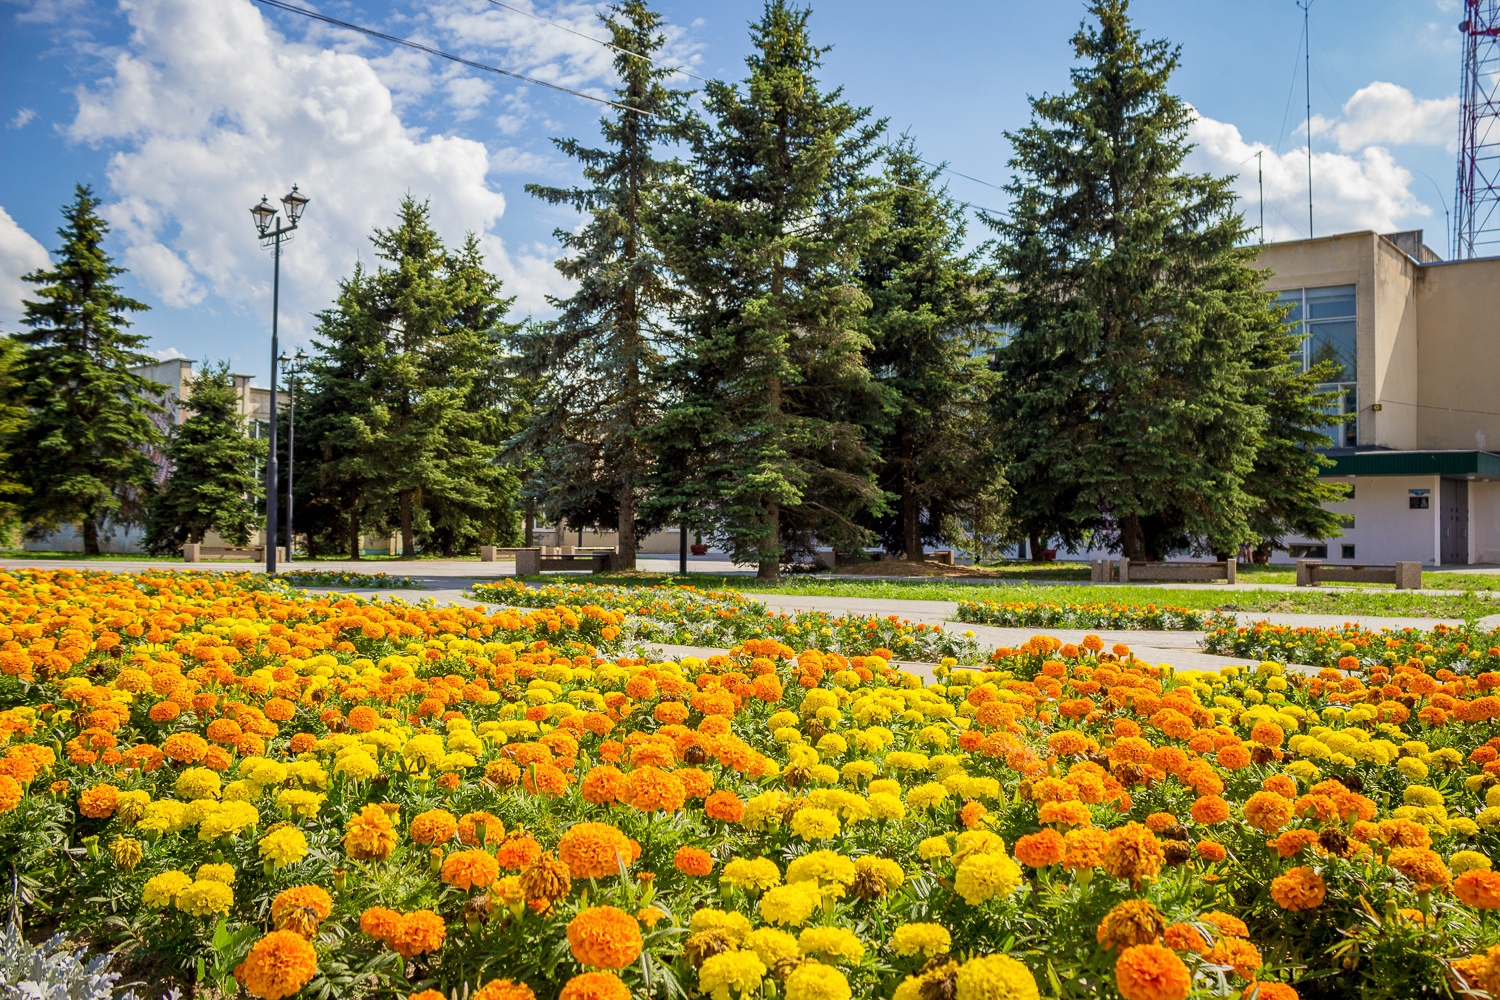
x,y
1415,463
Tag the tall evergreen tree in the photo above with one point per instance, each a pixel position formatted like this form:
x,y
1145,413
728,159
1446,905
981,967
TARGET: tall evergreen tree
x,y
12,419
930,350
81,454
1129,382
764,442
212,483
597,368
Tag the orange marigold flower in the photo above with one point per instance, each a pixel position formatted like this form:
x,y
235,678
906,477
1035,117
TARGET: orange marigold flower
x,y
1086,847
595,986
1064,814
1211,851
518,851
605,937
98,802
1038,850
1282,784
1151,972
1261,990
1422,865
1186,937
1478,888
435,826
1159,821
473,869
370,836
1268,812
380,923
418,932
651,789
278,965
1132,922
10,793
596,850
1225,924
693,861
476,829
1237,953
725,807
545,881
1132,852
603,785
185,748
1209,809
1299,889
301,908
504,989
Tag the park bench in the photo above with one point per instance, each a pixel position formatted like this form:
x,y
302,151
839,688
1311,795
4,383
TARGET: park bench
x,y
1314,572
532,561
1126,570
198,552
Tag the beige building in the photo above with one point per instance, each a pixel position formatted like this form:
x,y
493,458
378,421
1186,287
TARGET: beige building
x,y
1418,342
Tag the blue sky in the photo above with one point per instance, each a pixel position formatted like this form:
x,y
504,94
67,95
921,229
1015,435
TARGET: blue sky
x,y
182,113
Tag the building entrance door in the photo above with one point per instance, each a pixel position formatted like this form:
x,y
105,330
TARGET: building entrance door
x,y
1455,514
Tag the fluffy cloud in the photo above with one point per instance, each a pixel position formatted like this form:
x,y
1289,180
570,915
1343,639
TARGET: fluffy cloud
x,y
1368,190
208,108
1389,113
19,253
23,118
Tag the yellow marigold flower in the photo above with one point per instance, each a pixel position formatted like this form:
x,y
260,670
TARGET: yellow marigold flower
x,y
126,852
982,877
283,846
822,866
815,824
751,874
1468,861
204,898
791,905
928,939
161,890
228,820
731,924
934,847
740,971
882,874
926,796
370,836
813,981
774,946
216,873
197,783
833,943
300,802
996,977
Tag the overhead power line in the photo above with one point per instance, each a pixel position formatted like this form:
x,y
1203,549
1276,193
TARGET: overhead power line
x,y
430,50
600,41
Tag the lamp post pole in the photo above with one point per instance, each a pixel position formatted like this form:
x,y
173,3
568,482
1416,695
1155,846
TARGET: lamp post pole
x,y
293,367
293,203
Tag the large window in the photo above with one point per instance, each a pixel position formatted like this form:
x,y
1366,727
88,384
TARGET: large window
x,y
1325,319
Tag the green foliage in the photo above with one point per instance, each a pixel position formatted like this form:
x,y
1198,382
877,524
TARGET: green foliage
x,y
81,454
597,368
763,444
12,419
1130,389
212,484
930,351
406,404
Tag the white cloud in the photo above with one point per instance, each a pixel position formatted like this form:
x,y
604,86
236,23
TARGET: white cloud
x,y
1350,192
1388,113
23,118
209,108
19,253
515,160
168,354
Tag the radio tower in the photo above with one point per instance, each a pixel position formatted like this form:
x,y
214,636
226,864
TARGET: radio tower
x,y
1478,198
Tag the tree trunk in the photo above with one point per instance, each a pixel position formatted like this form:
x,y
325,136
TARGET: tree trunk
x,y
530,522
627,524
353,536
408,537
1132,537
1035,541
911,507
770,569
90,536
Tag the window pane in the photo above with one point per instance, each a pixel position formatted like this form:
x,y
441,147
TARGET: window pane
x,y
1293,299
1335,301
1334,340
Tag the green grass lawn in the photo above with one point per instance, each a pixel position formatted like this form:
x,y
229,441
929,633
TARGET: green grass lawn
x,y
1348,601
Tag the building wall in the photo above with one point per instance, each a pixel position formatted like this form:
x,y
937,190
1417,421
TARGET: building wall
x,y
1394,361
1458,363
1386,529
1484,522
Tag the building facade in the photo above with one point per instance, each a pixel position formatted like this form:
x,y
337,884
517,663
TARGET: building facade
x,y
1417,342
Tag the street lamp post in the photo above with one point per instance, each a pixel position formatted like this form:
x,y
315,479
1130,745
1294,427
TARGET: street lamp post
x,y
292,203
293,367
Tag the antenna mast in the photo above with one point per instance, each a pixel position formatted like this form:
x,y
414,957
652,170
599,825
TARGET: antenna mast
x,y
1477,200
1307,89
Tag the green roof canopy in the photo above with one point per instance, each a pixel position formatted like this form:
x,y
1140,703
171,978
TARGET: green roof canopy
x,y
1416,463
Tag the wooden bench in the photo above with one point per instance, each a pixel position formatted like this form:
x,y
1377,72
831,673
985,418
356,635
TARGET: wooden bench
x,y
1126,570
1314,572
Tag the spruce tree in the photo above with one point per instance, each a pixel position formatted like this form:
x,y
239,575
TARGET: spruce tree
x,y
212,483
12,419
81,454
930,350
1129,391
597,368
763,442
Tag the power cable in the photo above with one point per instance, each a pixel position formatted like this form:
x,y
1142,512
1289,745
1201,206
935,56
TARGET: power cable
x,y
583,34
396,40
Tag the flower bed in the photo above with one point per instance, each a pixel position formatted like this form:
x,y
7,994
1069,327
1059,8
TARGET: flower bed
x,y
297,797
346,578
690,617
1463,649
1043,614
